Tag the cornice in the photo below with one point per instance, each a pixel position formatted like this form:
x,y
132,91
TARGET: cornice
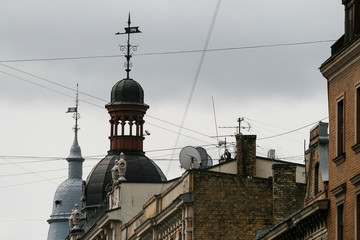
x,y
341,61
355,180
339,190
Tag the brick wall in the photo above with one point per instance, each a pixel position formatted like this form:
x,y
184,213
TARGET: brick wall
x,y
287,194
230,207
312,158
246,154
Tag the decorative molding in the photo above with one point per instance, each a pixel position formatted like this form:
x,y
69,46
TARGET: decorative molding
x,y
339,159
355,180
341,61
356,148
339,190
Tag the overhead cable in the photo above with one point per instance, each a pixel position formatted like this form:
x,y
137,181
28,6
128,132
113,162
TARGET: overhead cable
x,y
281,134
167,53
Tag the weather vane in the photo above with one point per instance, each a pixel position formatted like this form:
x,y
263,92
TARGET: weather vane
x,y
128,49
74,110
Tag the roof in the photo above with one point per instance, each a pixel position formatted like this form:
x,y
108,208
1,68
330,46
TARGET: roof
x,y
127,91
140,168
66,196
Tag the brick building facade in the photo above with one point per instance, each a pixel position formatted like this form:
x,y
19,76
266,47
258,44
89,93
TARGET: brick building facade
x,y
342,71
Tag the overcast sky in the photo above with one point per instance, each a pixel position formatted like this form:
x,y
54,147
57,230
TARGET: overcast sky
x,y
276,89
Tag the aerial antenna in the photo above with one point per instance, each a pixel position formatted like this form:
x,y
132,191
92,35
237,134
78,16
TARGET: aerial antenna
x,y
238,128
241,119
216,127
128,49
74,110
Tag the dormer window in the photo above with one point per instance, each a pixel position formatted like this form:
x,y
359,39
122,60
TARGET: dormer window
x,y
58,202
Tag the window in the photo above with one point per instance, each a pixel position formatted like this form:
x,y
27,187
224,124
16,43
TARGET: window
x,y
316,179
357,114
340,127
58,202
339,194
340,222
358,216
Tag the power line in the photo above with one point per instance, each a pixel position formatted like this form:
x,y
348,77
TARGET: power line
x,y
168,53
44,178
98,106
281,134
188,129
52,82
72,89
197,74
36,84
178,133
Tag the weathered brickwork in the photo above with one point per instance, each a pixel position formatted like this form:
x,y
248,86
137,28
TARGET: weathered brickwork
x,y
230,207
287,194
342,82
313,177
246,154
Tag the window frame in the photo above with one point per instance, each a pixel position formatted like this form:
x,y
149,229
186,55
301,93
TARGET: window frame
x,y
340,146
338,226
357,113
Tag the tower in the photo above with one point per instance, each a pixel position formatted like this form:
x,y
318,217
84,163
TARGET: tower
x,y
127,110
68,193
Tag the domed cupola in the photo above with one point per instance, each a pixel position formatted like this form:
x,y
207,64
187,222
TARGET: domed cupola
x,y
127,91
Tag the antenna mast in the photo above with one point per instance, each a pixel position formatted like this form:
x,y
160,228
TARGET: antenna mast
x,y
74,110
128,49
76,115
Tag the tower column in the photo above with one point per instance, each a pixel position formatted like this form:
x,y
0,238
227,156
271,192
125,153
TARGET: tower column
x,y
122,126
111,127
130,125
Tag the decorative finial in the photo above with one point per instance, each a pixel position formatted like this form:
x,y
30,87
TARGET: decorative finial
x,y
128,49
75,151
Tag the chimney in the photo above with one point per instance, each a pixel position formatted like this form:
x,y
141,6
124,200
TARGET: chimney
x,y
271,154
352,15
246,155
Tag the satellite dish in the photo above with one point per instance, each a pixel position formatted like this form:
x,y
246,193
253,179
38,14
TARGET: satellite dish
x,y
189,158
209,161
206,160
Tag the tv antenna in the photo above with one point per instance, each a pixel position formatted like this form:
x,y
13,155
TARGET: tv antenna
x,y
241,119
128,49
239,127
